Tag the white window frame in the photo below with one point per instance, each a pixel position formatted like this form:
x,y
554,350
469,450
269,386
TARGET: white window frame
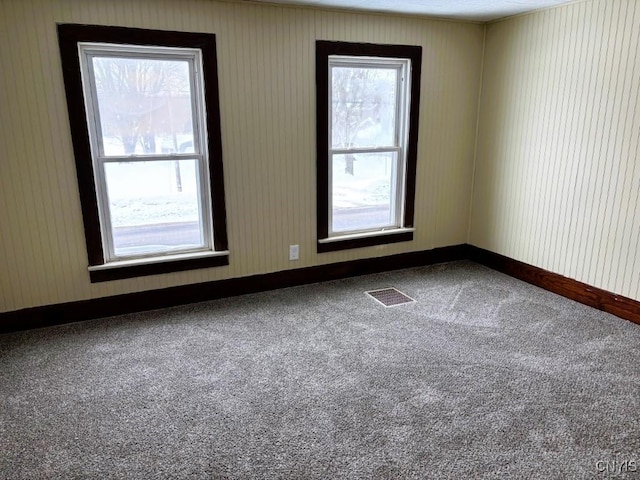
x,y
193,56
400,137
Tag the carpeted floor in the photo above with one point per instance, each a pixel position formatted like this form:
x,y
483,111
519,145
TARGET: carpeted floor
x,y
483,377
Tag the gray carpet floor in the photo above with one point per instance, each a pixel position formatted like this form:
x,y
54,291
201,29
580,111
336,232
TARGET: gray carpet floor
x,y
483,377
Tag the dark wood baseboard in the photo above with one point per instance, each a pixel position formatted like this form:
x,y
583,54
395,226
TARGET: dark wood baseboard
x,y
618,305
49,315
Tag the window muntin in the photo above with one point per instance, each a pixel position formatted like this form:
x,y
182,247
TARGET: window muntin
x,y
368,112
146,118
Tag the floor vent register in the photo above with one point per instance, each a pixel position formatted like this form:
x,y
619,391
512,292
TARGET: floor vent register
x,y
390,297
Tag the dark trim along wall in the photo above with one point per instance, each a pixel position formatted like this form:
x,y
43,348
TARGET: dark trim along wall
x,y
50,315
609,302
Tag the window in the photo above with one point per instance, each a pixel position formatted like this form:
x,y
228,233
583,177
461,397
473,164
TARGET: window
x,y
367,120
144,113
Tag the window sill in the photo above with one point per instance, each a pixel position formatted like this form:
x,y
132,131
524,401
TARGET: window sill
x,y
367,239
153,266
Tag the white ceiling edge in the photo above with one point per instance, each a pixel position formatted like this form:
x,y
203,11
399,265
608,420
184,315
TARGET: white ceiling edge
x,y
461,10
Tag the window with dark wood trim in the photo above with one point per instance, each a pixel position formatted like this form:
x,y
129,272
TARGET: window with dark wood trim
x,y
368,98
145,125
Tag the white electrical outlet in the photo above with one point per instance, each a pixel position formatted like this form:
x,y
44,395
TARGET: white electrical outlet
x,y
294,252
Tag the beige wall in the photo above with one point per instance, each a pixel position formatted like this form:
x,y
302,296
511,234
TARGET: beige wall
x,y
558,160
266,64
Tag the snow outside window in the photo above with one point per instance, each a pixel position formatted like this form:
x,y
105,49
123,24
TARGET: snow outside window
x,y
145,109
368,105
367,132
144,114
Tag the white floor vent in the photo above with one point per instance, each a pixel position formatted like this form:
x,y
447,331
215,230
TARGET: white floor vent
x,y
390,297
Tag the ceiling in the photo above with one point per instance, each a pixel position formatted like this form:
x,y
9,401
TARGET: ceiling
x,y
474,10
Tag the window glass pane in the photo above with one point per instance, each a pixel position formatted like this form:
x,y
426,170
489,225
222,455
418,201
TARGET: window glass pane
x,y
154,206
144,105
363,106
362,196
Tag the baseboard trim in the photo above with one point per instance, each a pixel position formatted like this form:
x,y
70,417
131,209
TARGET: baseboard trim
x,y
57,314
50,315
609,302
